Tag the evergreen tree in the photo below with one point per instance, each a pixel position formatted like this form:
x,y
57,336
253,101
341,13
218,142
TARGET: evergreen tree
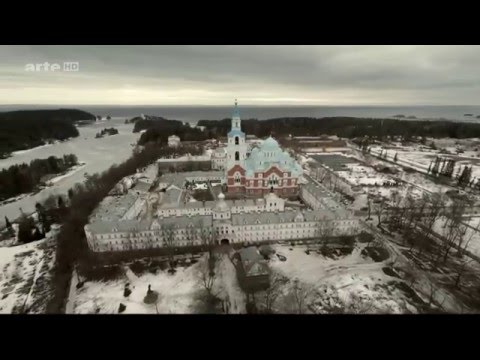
x,y
450,167
464,178
43,218
436,166
25,227
8,224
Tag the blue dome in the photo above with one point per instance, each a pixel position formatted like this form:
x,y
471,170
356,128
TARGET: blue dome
x,y
236,132
270,144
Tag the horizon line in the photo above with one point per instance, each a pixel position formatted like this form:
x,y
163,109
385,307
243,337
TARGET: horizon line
x,y
242,105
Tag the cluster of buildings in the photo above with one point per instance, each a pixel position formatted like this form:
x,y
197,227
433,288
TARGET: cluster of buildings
x,y
346,174
153,213
253,170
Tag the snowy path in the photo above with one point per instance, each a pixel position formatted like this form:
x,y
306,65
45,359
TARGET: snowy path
x,y
69,306
229,286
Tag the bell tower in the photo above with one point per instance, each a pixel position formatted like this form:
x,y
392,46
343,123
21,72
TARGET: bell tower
x,y
236,122
237,146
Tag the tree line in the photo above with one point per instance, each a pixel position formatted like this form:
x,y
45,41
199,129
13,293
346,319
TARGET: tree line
x,y
159,129
430,228
25,129
25,178
348,127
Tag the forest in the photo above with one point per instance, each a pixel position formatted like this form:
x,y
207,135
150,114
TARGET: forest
x,y
25,129
348,127
24,178
159,129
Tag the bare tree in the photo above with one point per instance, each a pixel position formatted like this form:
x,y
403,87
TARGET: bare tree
x,y
323,231
274,291
410,214
208,239
379,211
169,243
207,279
465,241
453,230
369,207
429,219
300,294
461,270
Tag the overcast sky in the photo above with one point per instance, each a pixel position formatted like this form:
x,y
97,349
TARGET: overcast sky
x,y
256,75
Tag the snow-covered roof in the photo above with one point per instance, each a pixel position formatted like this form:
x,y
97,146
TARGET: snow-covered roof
x,y
252,262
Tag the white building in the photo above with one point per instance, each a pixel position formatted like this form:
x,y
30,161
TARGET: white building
x,y
173,141
130,227
219,158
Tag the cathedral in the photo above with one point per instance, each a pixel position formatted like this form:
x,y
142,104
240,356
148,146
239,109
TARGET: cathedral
x,y
260,170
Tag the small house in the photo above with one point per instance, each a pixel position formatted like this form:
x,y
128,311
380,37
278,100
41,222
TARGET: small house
x,y
252,270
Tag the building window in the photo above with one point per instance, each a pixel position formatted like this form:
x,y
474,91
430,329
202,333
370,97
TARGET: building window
x,y
237,155
236,140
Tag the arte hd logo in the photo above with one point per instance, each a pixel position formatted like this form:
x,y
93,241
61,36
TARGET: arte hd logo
x,y
66,66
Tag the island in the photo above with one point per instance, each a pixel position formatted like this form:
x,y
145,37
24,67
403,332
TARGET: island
x,y
26,129
106,132
26,178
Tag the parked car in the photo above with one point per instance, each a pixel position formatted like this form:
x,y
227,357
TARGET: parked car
x,y
281,257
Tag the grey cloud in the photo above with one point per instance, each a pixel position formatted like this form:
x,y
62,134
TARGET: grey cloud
x,y
365,74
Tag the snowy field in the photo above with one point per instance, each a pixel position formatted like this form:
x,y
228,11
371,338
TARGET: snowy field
x,y
419,157
25,272
98,154
180,293
360,175
354,283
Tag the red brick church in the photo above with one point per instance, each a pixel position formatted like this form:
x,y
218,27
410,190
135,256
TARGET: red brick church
x,y
265,168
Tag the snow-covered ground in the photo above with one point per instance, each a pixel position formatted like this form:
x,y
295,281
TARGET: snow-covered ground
x,y
419,157
21,152
179,293
357,174
98,155
70,172
338,282
186,158
200,186
25,271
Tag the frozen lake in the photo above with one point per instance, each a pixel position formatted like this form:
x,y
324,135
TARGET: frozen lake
x,y
98,154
